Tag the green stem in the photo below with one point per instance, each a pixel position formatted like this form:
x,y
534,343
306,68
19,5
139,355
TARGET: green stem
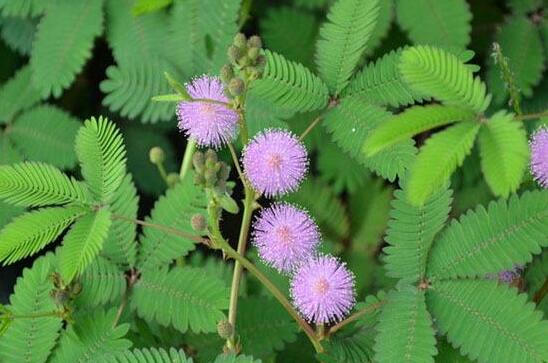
x,y
531,116
187,158
249,202
162,171
358,314
230,252
310,127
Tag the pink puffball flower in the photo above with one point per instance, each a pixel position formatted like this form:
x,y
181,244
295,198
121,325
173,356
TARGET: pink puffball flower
x,y
539,156
285,235
275,162
323,290
210,124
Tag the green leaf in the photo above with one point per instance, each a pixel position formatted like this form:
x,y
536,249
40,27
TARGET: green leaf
x,y
82,243
381,83
405,331
17,95
130,87
481,318
8,153
102,282
325,206
90,337
504,153
120,246
339,170
382,27
147,355
411,122
290,86
46,133
175,209
269,317
437,73
32,231
147,6
291,32
37,184
524,6
438,159
23,8
535,278
32,339
18,33
100,149
184,298
411,231
57,58
173,97
343,38
442,23
448,354
351,122
521,45
232,358
8,212
201,32
492,240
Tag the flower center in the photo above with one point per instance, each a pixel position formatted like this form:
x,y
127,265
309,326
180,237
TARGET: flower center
x,y
207,109
284,235
320,286
274,161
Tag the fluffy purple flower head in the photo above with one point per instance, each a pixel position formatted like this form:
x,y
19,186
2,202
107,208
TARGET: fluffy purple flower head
x,y
539,156
275,162
210,124
284,236
323,290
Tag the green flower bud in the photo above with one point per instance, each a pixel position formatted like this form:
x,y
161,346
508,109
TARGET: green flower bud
x,y
211,157
223,172
198,223
198,160
244,61
255,42
199,179
225,329
156,155
253,53
240,40
172,179
234,53
227,73
210,178
236,86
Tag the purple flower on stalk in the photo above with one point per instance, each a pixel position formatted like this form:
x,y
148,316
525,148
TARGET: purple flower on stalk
x,y
275,162
323,290
209,123
539,156
284,236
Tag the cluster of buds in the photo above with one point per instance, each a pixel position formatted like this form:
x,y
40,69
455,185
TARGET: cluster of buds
x,y
211,173
246,64
62,294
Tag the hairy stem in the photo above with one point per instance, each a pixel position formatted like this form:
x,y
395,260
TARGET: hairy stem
x,y
236,163
310,127
249,202
230,252
357,315
163,228
532,116
187,158
162,171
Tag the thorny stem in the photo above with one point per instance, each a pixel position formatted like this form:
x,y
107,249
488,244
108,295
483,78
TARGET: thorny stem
x,y
230,252
310,127
236,163
249,203
131,280
187,158
163,228
358,314
531,116
541,292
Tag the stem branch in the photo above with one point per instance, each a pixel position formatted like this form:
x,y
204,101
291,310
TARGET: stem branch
x,y
187,158
358,314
